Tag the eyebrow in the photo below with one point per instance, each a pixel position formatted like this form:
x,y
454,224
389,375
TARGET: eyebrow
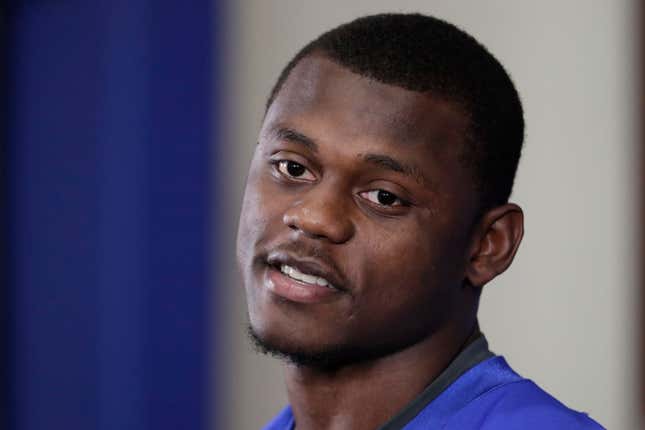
x,y
290,135
389,163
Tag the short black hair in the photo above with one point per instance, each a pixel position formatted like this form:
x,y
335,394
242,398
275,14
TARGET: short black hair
x,y
425,54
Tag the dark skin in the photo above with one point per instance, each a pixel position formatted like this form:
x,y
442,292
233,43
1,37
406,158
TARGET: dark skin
x,y
361,184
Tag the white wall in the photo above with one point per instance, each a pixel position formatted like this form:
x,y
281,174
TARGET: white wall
x,y
565,313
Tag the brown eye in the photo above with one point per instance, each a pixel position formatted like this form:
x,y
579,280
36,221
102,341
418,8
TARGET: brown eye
x,y
386,198
382,197
291,169
295,169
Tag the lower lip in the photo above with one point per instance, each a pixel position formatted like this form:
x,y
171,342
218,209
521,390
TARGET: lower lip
x,y
295,291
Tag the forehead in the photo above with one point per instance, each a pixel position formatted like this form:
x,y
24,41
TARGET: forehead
x,y
350,106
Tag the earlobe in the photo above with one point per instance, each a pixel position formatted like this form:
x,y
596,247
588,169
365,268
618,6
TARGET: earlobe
x,y
495,243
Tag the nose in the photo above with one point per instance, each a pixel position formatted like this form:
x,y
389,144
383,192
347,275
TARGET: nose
x,y
321,214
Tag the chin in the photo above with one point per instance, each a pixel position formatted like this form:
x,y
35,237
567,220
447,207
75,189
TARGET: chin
x,y
323,357
295,332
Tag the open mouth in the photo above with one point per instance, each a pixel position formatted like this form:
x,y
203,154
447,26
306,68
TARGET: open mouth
x,y
300,281
305,278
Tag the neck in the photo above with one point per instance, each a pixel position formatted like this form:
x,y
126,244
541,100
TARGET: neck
x,y
366,395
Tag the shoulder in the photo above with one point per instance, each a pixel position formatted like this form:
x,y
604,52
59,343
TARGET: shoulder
x,y
282,421
520,404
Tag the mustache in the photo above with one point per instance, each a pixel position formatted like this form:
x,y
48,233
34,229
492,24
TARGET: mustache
x,y
304,249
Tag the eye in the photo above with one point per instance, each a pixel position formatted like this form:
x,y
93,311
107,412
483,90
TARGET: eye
x,y
292,169
383,198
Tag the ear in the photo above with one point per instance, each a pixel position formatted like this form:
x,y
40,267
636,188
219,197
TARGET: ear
x,y
495,242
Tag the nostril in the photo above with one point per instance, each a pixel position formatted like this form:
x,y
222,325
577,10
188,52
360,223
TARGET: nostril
x,y
318,219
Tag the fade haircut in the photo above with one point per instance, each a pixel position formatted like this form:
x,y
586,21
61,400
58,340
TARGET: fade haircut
x,y
425,54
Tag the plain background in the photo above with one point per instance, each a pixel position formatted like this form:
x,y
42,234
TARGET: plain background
x,y
564,314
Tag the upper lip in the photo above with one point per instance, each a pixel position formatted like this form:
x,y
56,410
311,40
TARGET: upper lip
x,y
309,265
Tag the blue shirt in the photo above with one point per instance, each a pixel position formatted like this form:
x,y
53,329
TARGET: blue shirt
x,y
487,396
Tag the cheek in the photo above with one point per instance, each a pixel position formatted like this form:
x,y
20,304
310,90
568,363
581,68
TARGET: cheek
x,y
256,223
253,218
399,266
259,204
408,275
261,215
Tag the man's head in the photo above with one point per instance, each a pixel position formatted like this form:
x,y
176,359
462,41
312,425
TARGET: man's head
x,y
424,54
375,207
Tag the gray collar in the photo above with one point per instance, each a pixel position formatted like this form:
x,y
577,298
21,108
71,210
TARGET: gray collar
x,y
469,357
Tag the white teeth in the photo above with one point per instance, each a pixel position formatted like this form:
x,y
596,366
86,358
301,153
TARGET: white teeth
x,y
322,282
296,274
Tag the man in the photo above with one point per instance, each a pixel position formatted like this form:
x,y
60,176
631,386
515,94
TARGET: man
x,y
375,211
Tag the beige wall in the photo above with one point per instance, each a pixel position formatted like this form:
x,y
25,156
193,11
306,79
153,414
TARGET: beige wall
x,y
564,314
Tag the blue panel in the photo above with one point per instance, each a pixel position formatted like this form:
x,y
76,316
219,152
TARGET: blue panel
x,y
109,144
53,162
180,94
124,139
